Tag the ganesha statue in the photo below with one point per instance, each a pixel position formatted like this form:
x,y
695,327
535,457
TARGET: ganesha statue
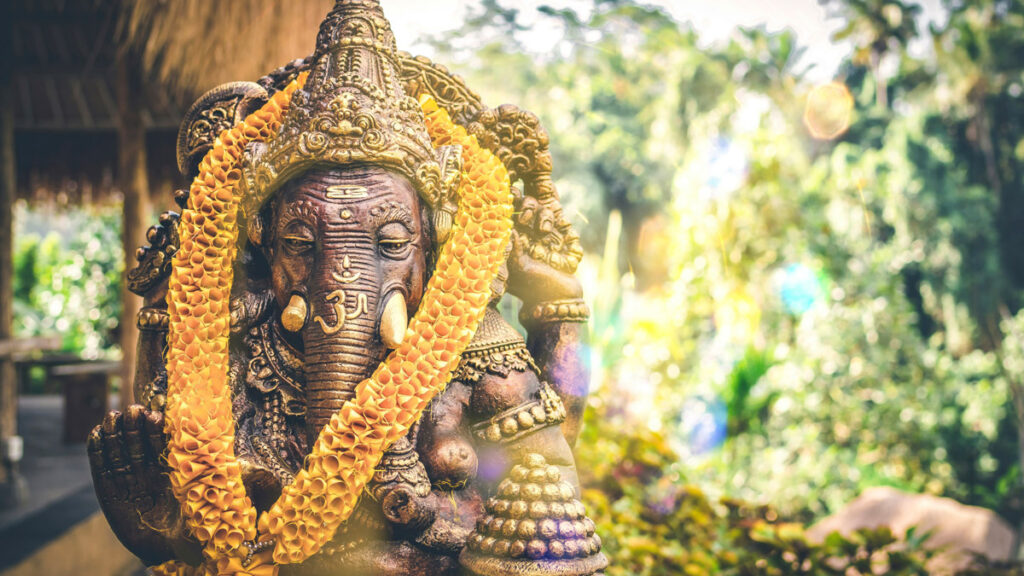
x,y
326,383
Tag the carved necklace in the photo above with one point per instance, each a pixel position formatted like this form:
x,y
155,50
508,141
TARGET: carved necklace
x,y
205,474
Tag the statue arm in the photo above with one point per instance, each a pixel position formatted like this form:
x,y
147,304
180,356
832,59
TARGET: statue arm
x,y
558,348
517,412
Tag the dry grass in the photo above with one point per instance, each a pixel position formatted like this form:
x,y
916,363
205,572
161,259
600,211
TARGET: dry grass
x,y
194,45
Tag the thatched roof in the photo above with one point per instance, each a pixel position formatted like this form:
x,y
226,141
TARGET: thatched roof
x,y
63,56
195,45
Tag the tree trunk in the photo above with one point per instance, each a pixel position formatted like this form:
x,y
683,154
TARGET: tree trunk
x,y
134,186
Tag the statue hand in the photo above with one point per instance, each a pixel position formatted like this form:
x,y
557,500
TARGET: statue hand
x,y
529,278
132,485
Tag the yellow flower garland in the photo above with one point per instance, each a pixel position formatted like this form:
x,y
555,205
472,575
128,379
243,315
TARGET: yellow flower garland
x,y
205,474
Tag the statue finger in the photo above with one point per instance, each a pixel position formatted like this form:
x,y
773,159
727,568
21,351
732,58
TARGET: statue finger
x,y
94,447
112,440
545,220
133,449
526,212
106,491
155,434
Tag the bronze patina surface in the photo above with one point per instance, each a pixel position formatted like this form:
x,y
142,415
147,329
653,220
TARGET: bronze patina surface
x,y
351,205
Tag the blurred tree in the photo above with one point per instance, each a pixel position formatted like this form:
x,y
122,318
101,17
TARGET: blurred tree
x,y
877,27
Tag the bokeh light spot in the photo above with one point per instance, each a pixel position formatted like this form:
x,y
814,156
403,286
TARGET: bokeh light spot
x,y
799,288
828,110
727,168
702,425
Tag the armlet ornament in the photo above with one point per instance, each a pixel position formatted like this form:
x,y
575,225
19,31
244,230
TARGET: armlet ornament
x,y
524,419
571,310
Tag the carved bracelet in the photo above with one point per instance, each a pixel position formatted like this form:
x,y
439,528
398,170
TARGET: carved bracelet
x,y
570,310
524,419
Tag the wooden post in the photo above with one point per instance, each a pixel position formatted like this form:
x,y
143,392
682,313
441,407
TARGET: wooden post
x,y
8,192
132,177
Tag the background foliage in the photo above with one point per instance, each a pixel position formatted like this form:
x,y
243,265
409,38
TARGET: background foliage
x,y
780,318
67,277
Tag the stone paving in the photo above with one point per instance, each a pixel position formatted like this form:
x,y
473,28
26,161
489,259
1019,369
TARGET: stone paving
x,y
52,469
60,499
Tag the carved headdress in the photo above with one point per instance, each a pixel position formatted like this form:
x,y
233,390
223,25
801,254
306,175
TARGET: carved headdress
x,y
352,110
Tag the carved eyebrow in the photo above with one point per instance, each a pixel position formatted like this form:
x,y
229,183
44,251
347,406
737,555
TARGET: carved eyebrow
x,y
301,210
391,212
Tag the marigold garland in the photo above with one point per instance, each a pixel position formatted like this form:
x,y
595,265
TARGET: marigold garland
x,y
205,474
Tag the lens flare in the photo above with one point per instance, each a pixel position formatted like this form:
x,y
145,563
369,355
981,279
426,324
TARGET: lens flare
x,y
702,425
828,111
799,288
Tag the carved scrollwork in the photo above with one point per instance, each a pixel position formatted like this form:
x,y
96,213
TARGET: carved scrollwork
x,y
155,259
216,111
421,76
517,138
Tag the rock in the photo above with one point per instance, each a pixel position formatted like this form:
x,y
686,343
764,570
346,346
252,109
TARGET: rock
x,y
961,530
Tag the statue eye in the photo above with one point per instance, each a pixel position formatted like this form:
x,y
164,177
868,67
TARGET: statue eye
x,y
297,243
394,240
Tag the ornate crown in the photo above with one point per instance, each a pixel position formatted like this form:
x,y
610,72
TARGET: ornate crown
x,y
352,110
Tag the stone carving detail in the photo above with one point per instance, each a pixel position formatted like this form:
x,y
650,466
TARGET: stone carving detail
x,y
216,111
518,139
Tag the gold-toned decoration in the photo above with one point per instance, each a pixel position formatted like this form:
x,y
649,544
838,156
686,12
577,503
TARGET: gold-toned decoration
x,y
517,138
572,310
534,526
154,319
496,349
351,110
500,361
422,76
524,419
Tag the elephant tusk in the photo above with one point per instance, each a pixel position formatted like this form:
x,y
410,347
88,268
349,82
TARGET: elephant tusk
x,y
394,321
294,316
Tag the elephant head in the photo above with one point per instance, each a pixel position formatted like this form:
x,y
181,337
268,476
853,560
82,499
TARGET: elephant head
x,y
347,249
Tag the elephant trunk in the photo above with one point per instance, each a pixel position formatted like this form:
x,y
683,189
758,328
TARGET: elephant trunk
x,y
342,345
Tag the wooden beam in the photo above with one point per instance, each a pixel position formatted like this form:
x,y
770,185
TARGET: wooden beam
x,y
8,193
133,181
51,92
15,346
26,98
83,107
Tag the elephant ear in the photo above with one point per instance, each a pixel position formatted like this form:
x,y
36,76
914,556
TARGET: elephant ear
x,y
449,158
214,112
